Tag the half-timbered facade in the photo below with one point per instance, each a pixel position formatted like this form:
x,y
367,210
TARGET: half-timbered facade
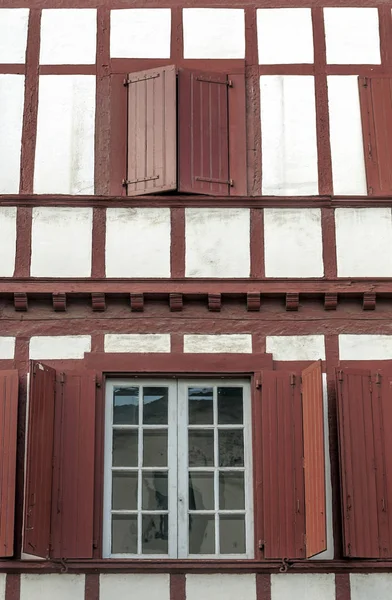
x,y
195,300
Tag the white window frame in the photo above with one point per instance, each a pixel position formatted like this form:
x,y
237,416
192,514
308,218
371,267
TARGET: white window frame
x,y
178,464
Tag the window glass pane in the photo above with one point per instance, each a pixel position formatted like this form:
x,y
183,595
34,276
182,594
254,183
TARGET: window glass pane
x,y
126,406
155,448
125,444
201,448
124,534
231,491
154,491
200,406
155,401
232,534
124,491
201,534
230,409
155,533
231,448
201,491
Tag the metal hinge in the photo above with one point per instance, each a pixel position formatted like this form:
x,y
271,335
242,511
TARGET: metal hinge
x,y
140,180
62,378
340,375
377,379
128,81
229,182
292,379
228,82
365,82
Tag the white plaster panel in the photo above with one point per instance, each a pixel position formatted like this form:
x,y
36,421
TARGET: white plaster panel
x,y
288,134
319,586
138,242
296,347
140,33
214,33
230,343
64,160
352,35
365,347
7,348
364,242
2,585
53,347
11,119
377,586
47,587
137,342
293,242
68,36
217,242
229,587
13,34
7,240
139,587
285,35
348,162
61,242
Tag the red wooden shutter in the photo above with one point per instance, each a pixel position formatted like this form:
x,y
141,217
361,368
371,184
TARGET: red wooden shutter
x,y
365,425
152,131
38,497
73,466
282,488
314,459
8,434
376,110
203,133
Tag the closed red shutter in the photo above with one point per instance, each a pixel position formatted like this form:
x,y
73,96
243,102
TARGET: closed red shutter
x,y
152,131
314,459
365,425
73,466
8,434
281,492
376,110
38,498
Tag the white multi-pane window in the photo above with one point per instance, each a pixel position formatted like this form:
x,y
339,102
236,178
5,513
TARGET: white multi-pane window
x,y
178,469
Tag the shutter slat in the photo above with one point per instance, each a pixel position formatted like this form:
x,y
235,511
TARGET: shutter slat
x,y
8,437
38,499
152,131
314,459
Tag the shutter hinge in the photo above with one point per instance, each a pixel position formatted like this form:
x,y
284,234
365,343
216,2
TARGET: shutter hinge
x,y
340,375
377,379
229,182
365,82
128,81
228,82
292,379
62,378
261,544
370,384
126,182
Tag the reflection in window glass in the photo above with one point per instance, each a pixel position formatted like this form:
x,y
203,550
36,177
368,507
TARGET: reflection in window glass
x,y
201,447
230,406
231,448
124,534
126,406
200,406
201,491
201,534
155,403
154,491
125,447
232,534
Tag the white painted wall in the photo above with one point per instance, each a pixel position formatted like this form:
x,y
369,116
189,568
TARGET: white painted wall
x,y
137,587
214,33
135,342
140,33
68,36
138,242
7,240
7,347
47,586
289,586
352,35
236,342
288,134
296,347
61,242
64,160
217,242
364,242
285,35
365,347
374,586
11,119
348,162
229,587
293,242
61,347
2,585
13,34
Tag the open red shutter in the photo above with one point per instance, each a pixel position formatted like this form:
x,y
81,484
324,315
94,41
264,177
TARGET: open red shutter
x,y
314,459
8,434
282,491
376,110
38,497
73,466
152,131
365,425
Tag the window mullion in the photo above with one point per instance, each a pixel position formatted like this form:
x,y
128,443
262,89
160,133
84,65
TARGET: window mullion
x,y
182,476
